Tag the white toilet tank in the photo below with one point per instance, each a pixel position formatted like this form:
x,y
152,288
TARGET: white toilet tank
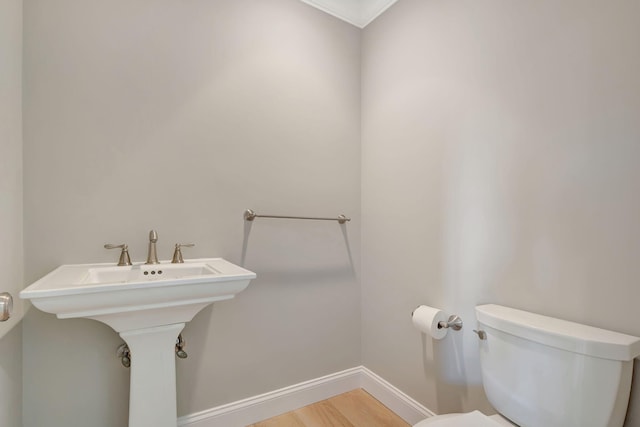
x,y
544,372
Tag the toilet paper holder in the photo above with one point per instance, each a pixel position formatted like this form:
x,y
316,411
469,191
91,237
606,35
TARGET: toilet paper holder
x,y
454,322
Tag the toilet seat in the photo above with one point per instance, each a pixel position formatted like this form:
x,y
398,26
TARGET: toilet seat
x,y
470,419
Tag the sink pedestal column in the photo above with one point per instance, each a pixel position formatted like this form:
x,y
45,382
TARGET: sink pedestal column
x,y
152,399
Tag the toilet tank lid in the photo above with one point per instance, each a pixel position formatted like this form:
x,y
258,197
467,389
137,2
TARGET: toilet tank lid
x,y
559,333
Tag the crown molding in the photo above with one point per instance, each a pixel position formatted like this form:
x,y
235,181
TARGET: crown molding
x,y
356,12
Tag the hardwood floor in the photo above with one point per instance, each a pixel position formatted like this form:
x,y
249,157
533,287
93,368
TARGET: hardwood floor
x,y
356,408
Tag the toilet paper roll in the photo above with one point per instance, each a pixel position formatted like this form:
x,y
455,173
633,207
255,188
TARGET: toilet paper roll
x,y
426,319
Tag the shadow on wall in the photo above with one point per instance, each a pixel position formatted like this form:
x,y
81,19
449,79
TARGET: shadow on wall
x,y
454,392
248,224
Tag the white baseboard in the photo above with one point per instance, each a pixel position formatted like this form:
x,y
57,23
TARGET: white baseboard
x,y
267,405
406,407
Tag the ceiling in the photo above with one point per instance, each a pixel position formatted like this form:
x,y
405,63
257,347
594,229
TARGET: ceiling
x,y
357,12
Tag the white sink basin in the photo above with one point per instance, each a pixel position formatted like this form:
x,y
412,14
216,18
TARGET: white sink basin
x,y
137,296
145,273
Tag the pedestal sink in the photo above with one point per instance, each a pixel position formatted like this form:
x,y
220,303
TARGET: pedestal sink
x,y
148,305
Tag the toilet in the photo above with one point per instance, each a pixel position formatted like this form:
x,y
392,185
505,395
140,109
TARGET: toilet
x,y
539,371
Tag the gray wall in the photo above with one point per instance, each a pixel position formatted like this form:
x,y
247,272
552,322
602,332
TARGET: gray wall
x,y
177,116
500,164
499,143
11,378
11,251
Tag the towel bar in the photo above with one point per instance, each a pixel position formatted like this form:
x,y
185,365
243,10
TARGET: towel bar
x,y
250,215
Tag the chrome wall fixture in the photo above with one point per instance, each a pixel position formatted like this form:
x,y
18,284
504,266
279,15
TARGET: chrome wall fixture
x,y
6,306
454,322
250,215
180,345
124,354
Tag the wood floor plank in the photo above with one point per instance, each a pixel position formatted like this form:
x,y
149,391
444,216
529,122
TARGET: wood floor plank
x,y
356,408
361,409
322,414
290,419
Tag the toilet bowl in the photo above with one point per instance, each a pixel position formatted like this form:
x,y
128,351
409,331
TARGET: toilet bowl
x,y
532,365
471,419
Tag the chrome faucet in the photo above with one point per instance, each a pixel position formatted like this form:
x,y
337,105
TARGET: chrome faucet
x,y
124,254
152,257
177,253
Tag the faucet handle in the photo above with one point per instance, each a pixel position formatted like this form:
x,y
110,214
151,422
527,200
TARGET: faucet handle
x,y
177,253
124,254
